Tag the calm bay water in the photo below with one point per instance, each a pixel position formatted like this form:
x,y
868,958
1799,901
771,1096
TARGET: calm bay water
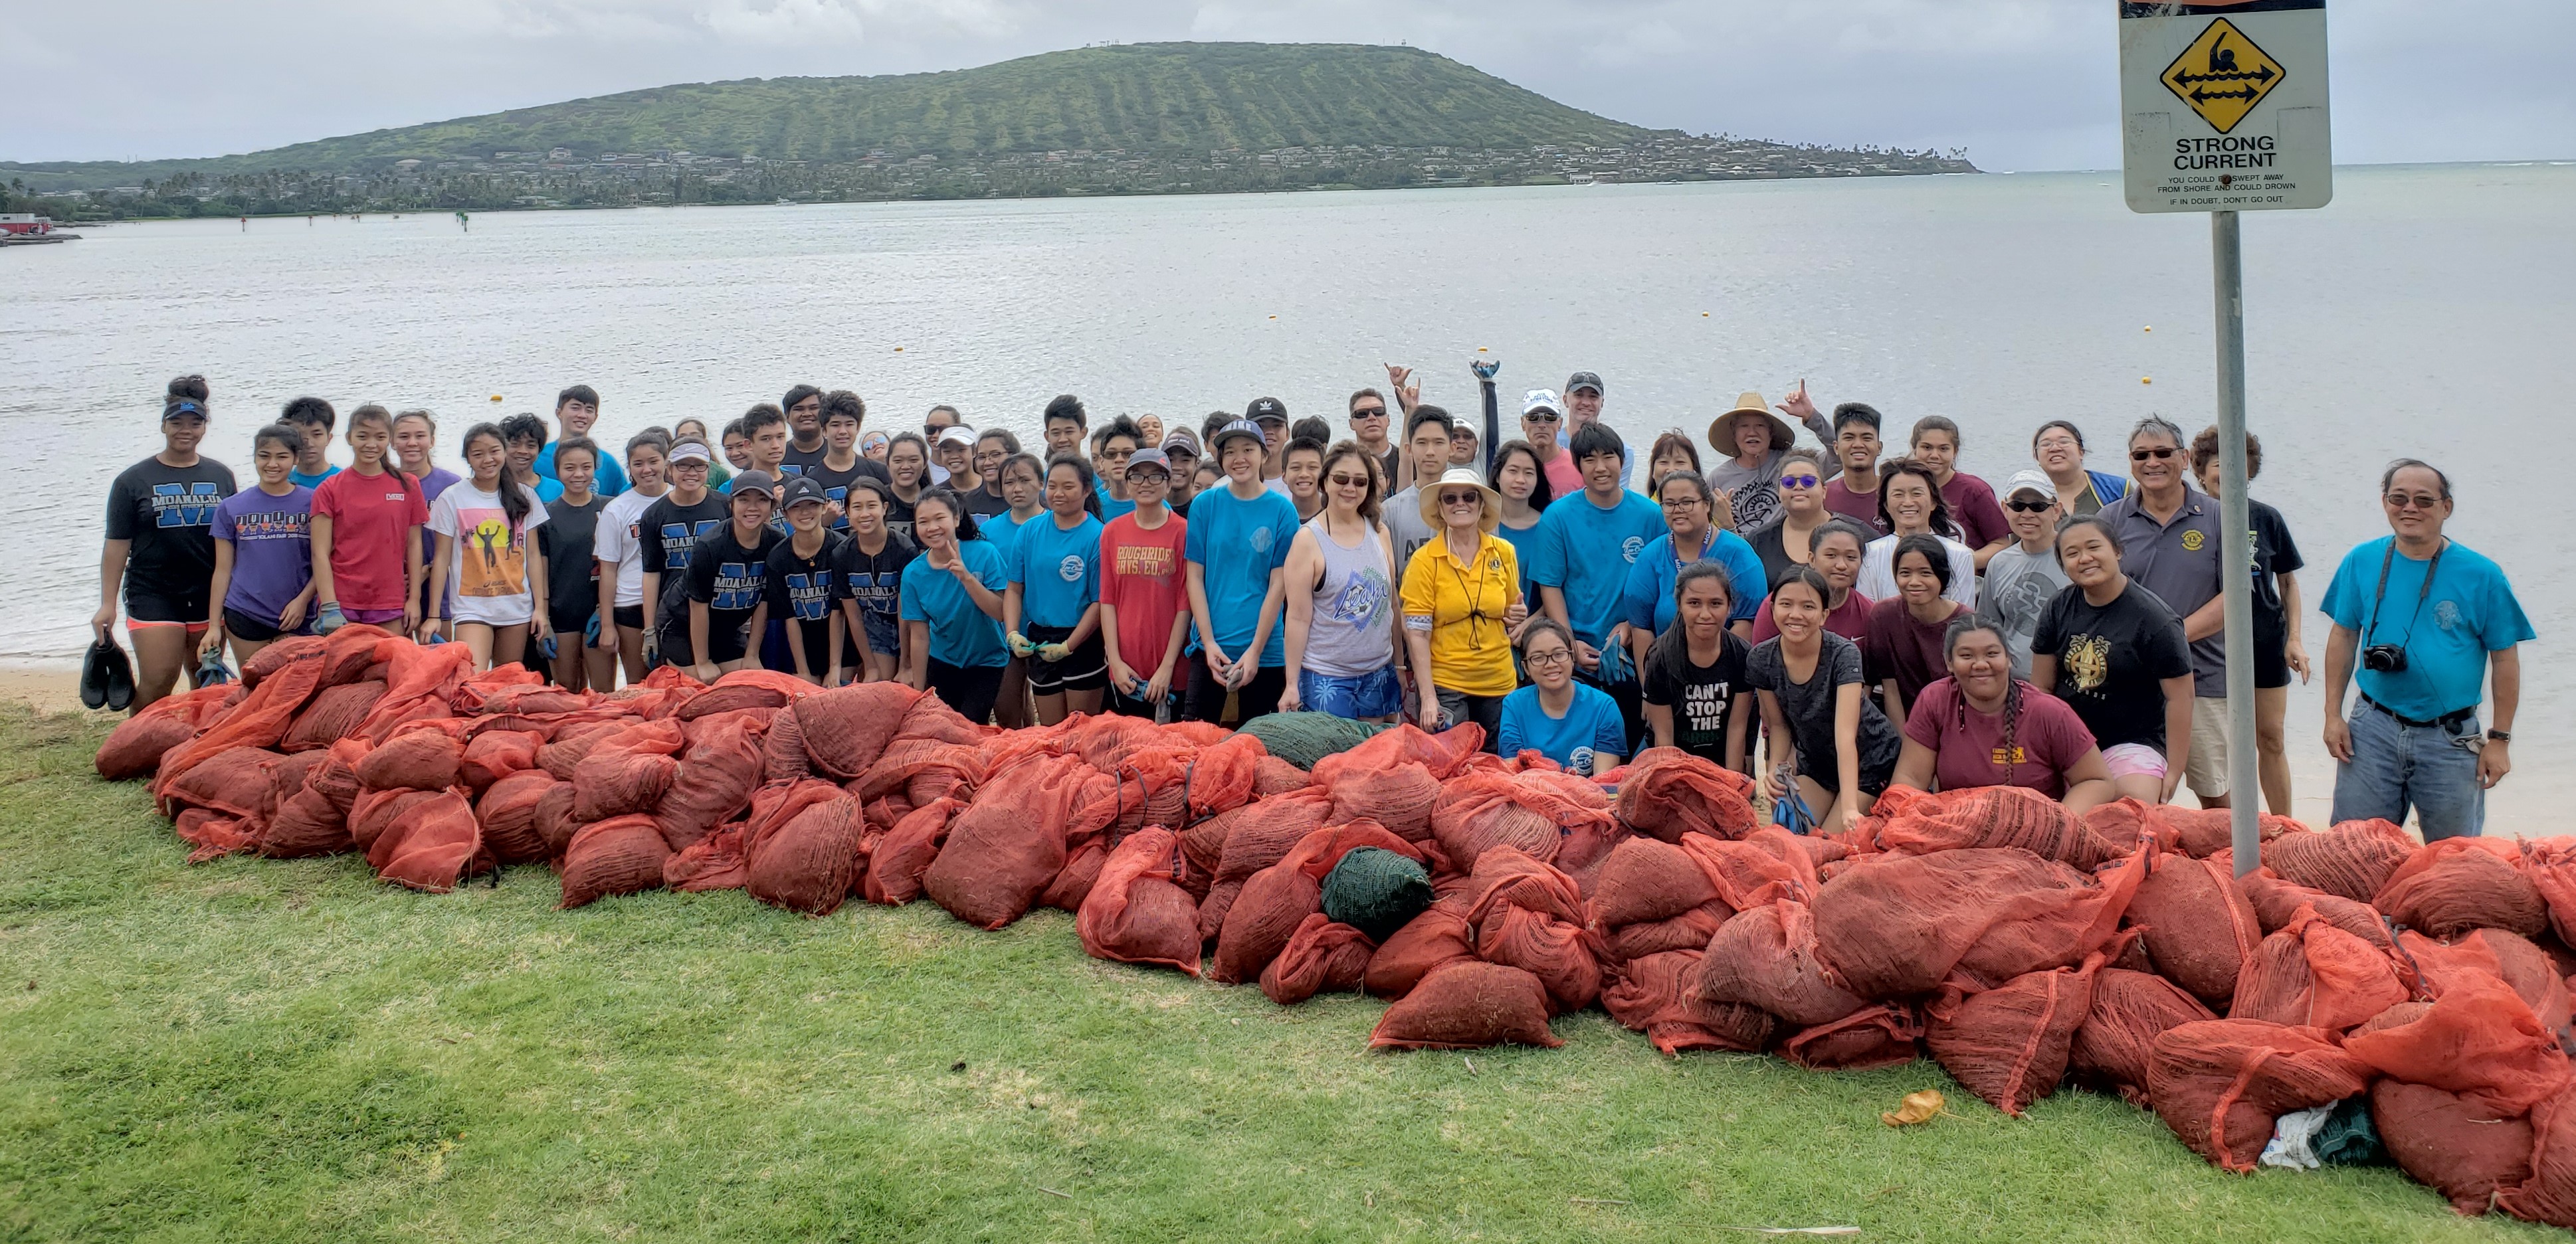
x,y
2415,316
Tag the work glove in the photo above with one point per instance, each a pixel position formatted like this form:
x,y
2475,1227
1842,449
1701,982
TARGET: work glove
x,y
329,619
1020,645
1052,653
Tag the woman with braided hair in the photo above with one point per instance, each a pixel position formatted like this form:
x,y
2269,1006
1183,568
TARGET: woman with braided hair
x,y
1983,727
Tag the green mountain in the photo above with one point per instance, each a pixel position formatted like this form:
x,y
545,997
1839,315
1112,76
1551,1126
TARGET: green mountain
x,y
1163,99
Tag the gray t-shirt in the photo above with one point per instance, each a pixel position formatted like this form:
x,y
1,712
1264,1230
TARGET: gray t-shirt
x,y
1809,706
2178,561
2019,585
1403,514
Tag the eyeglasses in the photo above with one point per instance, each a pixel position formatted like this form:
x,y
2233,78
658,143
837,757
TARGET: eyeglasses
x,y
2411,501
1553,656
1461,498
1348,481
1541,416
1369,412
2057,442
2159,453
1798,481
1681,501
2028,507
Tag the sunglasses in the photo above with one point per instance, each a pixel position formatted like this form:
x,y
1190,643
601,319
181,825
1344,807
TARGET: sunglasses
x,y
1798,481
1462,498
1369,412
2029,507
1541,416
2160,453
2411,501
1340,480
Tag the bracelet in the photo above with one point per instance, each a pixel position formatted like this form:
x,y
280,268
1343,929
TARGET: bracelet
x,y
2500,736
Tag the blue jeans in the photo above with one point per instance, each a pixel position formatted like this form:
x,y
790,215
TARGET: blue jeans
x,y
1377,693
2433,769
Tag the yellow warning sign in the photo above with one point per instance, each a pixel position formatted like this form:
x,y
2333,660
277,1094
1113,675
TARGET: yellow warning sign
x,y
2222,75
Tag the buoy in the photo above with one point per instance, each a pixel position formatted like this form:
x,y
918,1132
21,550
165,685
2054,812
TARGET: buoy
x,y
1480,349
1703,315
1274,317
2146,380
496,397
2151,328
898,349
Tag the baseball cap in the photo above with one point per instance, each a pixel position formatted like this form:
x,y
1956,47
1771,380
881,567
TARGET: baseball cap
x,y
1582,380
1542,399
691,451
2031,481
1181,439
1151,458
957,434
1240,427
798,488
1266,408
755,480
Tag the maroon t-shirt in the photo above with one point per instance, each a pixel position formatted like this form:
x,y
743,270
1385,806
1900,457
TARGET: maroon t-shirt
x,y
1851,621
1904,648
1972,507
2047,739
1860,507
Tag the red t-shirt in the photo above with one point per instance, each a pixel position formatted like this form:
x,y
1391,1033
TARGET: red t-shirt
x,y
1141,578
1564,479
1905,648
1972,507
1860,507
372,518
2048,738
1851,621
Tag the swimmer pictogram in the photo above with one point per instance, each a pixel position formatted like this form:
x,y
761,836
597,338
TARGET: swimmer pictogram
x,y
2222,75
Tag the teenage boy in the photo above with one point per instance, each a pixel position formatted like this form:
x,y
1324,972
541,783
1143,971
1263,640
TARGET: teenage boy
x,y
1856,446
1236,550
805,445
315,419
576,412
1181,450
1112,448
843,413
2023,578
800,583
667,536
1271,416
1971,500
764,430
1065,424
1144,618
1426,448
1580,560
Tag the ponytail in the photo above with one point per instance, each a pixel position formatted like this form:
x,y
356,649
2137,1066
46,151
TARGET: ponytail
x,y
516,500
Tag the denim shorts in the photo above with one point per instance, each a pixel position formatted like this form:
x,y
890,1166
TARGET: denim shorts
x,y
1378,693
885,633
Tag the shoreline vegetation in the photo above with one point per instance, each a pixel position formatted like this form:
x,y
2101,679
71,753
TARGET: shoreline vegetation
x,y
1145,119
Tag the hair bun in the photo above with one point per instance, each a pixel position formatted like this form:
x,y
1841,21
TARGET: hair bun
x,y
186,388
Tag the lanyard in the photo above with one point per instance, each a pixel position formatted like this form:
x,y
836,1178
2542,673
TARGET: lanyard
x,y
2422,593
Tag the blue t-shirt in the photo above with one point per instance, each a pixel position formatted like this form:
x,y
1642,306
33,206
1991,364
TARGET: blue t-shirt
x,y
960,633
1591,724
610,480
1649,594
1586,552
1058,571
1523,541
302,480
1237,544
2447,634
1003,531
1111,508
548,491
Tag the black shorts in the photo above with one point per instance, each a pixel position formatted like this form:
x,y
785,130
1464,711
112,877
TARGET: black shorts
x,y
1085,669
1823,771
725,640
2271,658
569,624
628,617
1258,698
970,689
185,605
243,626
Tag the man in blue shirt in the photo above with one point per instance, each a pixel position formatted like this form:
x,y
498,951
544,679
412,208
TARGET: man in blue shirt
x,y
2428,619
1234,557
576,409
1580,559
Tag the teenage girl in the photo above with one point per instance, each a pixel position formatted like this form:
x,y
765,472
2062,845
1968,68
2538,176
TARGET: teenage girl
x,y
951,610
365,554
489,567
619,548
263,585
161,545
569,542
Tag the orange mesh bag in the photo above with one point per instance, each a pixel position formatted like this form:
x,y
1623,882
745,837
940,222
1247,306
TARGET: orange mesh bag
x,y
1214,906
745,689
2277,903
1440,753
2118,1037
2353,859
846,729
376,809
213,834
1106,740
782,751
1258,835
1273,776
428,755
1916,823
562,755
333,715
1766,958
718,772
1440,935
1321,957
621,855
2549,1195
1878,1036
470,695
260,718
430,844
497,754
2199,926
809,862
1543,815
2550,863
1529,917
276,656
134,749
1010,843
516,699
628,772
2479,1039
234,782
1667,792
1223,773
1690,930
2010,1045
417,681
2312,973
904,853
1134,912
1399,797
2464,1151
508,811
930,718
1467,1006
1655,995
1768,865
2221,1084
1261,919
2490,953
554,820
306,824
714,862
1894,926
2459,884
1647,880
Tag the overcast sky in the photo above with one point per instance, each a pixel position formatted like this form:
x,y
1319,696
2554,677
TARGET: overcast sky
x,y
2022,84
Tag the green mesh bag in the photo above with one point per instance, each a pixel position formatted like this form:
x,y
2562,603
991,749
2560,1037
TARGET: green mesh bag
x,y
1301,739
1376,891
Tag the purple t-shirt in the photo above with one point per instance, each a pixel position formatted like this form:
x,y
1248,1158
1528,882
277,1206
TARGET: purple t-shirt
x,y
431,485
272,549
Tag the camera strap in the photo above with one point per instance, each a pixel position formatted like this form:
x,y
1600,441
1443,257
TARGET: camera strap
x,y
2422,593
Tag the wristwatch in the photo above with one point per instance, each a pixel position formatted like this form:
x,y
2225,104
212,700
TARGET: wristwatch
x,y
2500,736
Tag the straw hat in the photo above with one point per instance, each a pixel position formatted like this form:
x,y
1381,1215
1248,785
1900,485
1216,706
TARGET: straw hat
x,y
1721,430
1492,516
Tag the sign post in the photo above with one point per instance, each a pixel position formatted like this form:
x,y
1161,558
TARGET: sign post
x,y
2224,103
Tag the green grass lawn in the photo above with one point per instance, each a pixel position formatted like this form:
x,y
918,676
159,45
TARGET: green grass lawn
x,y
255,1050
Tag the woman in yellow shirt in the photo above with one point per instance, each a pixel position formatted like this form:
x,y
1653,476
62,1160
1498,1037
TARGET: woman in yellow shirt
x,y
1462,600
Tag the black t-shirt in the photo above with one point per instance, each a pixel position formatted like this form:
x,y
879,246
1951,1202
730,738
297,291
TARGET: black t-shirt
x,y
1770,545
2275,554
167,514
898,517
2110,659
986,501
668,531
732,581
1700,696
875,580
1809,706
803,461
572,572
801,590
836,484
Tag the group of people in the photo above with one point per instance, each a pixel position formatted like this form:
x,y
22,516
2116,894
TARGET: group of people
x,y
1834,619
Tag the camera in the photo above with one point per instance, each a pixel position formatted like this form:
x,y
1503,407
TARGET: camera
x,y
2384,659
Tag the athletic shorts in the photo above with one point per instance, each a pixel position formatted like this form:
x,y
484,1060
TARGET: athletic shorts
x,y
726,642
1873,783
970,689
2206,767
1086,668
250,629
371,617
2271,659
569,623
2134,760
146,609
627,617
1378,693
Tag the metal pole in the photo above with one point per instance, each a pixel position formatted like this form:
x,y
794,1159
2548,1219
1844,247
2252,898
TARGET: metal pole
x,y
2235,545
